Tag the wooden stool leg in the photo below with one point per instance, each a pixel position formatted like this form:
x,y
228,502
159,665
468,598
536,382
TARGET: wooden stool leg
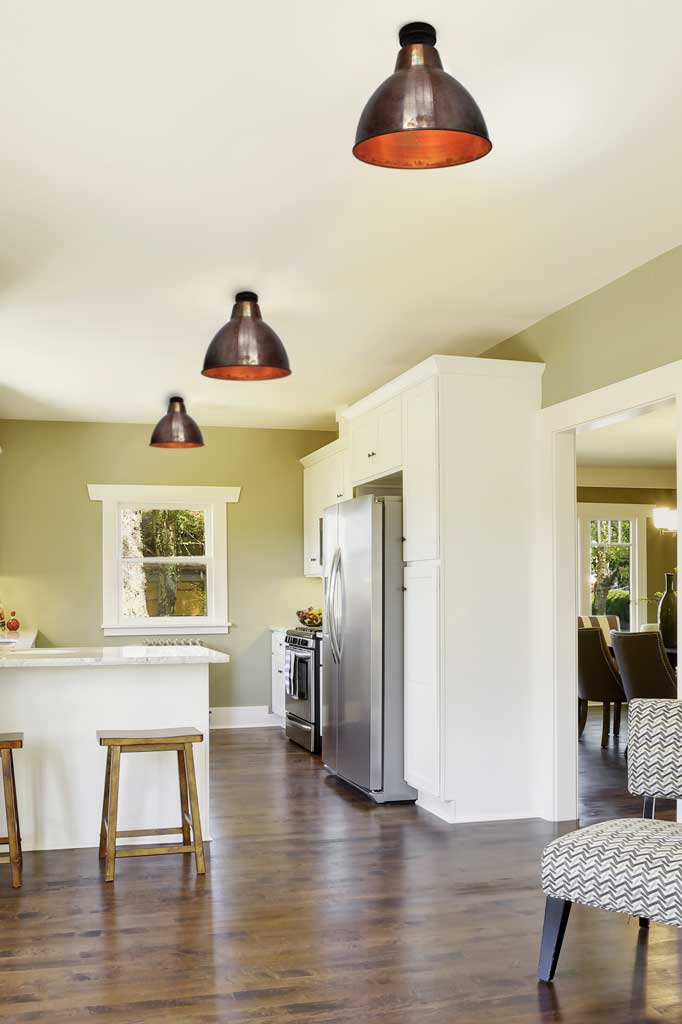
x,y
16,806
113,813
105,809
11,814
184,801
198,841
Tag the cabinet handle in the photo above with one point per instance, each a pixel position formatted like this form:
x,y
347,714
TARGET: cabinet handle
x,y
340,495
370,455
312,558
280,671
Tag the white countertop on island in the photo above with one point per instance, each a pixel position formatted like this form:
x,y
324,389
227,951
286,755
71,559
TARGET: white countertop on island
x,y
128,654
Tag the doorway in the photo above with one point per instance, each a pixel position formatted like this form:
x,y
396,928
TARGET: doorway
x,y
625,474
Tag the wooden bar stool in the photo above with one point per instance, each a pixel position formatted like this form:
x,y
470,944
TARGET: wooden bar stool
x,y
10,741
137,742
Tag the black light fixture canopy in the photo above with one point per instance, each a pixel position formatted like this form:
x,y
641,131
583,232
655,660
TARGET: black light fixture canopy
x,y
420,117
176,429
246,348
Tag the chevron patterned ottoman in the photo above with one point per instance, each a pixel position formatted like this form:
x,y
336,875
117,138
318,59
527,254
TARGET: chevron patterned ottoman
x,y
630,865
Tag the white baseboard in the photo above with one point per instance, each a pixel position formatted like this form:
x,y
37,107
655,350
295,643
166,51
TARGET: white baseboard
x,y
244,718
443,809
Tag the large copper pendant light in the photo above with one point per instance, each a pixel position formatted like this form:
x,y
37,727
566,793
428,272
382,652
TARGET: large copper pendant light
x,y
420,117
246,348
176,429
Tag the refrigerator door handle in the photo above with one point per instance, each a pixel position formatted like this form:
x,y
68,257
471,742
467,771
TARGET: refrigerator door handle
x,y
338,611
333,578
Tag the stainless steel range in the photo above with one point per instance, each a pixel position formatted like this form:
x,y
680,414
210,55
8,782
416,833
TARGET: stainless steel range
x,y
302,682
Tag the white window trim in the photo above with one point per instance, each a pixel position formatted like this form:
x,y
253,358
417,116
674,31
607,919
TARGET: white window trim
x,y
638,514
210,499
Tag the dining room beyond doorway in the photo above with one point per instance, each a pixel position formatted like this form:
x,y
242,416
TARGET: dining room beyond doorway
x,y
626,593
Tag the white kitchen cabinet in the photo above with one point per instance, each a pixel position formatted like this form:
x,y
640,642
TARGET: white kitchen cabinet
x,y
376,441
325,481
422,676
420,471
463,432
277,698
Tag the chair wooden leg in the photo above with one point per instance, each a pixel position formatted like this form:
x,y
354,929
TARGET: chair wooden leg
x,y
644,922
197,838
184,801
16,806
583,708
606,726
105,809
553,931
11,815
616,718
110,865
649,808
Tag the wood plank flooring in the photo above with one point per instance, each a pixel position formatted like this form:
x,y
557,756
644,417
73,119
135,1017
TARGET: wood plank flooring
x,y
319,907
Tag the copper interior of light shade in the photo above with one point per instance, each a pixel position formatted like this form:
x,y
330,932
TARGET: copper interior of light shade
x,y
175,444
246,372
421,148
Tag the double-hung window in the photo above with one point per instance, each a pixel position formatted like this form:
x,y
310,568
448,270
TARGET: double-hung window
x,y
164,565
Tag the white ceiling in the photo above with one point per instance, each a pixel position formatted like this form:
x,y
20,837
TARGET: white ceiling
x,y
157,155
648,441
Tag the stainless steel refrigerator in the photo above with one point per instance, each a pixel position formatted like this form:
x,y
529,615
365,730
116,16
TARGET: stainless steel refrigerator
x,y
362,677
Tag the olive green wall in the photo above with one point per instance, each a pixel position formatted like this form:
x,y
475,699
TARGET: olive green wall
x,y
629,326
51,533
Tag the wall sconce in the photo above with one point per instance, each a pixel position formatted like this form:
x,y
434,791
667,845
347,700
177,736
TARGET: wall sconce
x,y
665,520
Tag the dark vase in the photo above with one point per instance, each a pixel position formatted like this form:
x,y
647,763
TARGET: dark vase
x,y
667,612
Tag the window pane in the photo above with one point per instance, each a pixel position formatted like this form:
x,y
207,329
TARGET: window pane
x,y
610,581
155,590
626,530
162,533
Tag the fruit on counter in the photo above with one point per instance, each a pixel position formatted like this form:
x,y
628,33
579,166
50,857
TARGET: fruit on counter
x,y
13,622
310,616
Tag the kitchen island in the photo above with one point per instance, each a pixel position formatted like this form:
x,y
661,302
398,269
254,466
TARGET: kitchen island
x,y
60,697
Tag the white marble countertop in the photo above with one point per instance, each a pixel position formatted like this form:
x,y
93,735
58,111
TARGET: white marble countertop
x,y
128,654
22,640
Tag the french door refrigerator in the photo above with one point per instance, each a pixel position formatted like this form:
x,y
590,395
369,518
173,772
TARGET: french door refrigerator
x,y
362,677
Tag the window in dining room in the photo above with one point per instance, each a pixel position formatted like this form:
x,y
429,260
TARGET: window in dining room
x,y
611,564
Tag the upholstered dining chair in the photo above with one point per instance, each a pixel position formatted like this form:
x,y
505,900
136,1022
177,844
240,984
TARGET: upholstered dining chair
x,y
628,865
644,666
598,680
607,623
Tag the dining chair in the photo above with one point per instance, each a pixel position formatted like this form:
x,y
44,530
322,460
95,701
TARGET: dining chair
x,y
644,666
607,623
598,680
628,865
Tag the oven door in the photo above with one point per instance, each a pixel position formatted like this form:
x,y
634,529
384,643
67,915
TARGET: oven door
x,y
299,675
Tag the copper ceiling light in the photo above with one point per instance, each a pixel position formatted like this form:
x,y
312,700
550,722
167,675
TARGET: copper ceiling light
x,y
420,117
176,429
246,348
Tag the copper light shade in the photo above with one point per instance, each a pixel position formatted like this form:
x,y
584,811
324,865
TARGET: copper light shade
x,y
246,348
176,429
421,116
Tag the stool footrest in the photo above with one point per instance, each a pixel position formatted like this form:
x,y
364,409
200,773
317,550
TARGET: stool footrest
x,y
130,832
150,851
4,859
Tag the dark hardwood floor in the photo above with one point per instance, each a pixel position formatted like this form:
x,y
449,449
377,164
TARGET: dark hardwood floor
x,y
320,907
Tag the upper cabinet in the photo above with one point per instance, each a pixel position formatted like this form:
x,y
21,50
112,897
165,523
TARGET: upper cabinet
x,y
376,441
324,483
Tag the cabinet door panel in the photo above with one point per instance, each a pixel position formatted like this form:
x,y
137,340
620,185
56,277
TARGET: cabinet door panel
x,y
422,678
420,471
364,446
389,436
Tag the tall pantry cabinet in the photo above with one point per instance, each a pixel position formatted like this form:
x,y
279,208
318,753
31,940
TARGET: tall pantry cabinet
x,y
462,433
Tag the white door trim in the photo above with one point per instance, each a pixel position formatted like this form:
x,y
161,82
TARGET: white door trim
x,y
555,569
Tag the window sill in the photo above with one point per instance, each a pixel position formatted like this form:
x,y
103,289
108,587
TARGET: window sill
x,y
151,630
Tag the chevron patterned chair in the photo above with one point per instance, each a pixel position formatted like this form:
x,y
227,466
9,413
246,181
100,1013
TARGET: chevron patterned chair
x,y
630,865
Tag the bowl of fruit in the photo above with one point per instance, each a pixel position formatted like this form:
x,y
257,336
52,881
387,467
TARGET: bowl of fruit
x,y
310,616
